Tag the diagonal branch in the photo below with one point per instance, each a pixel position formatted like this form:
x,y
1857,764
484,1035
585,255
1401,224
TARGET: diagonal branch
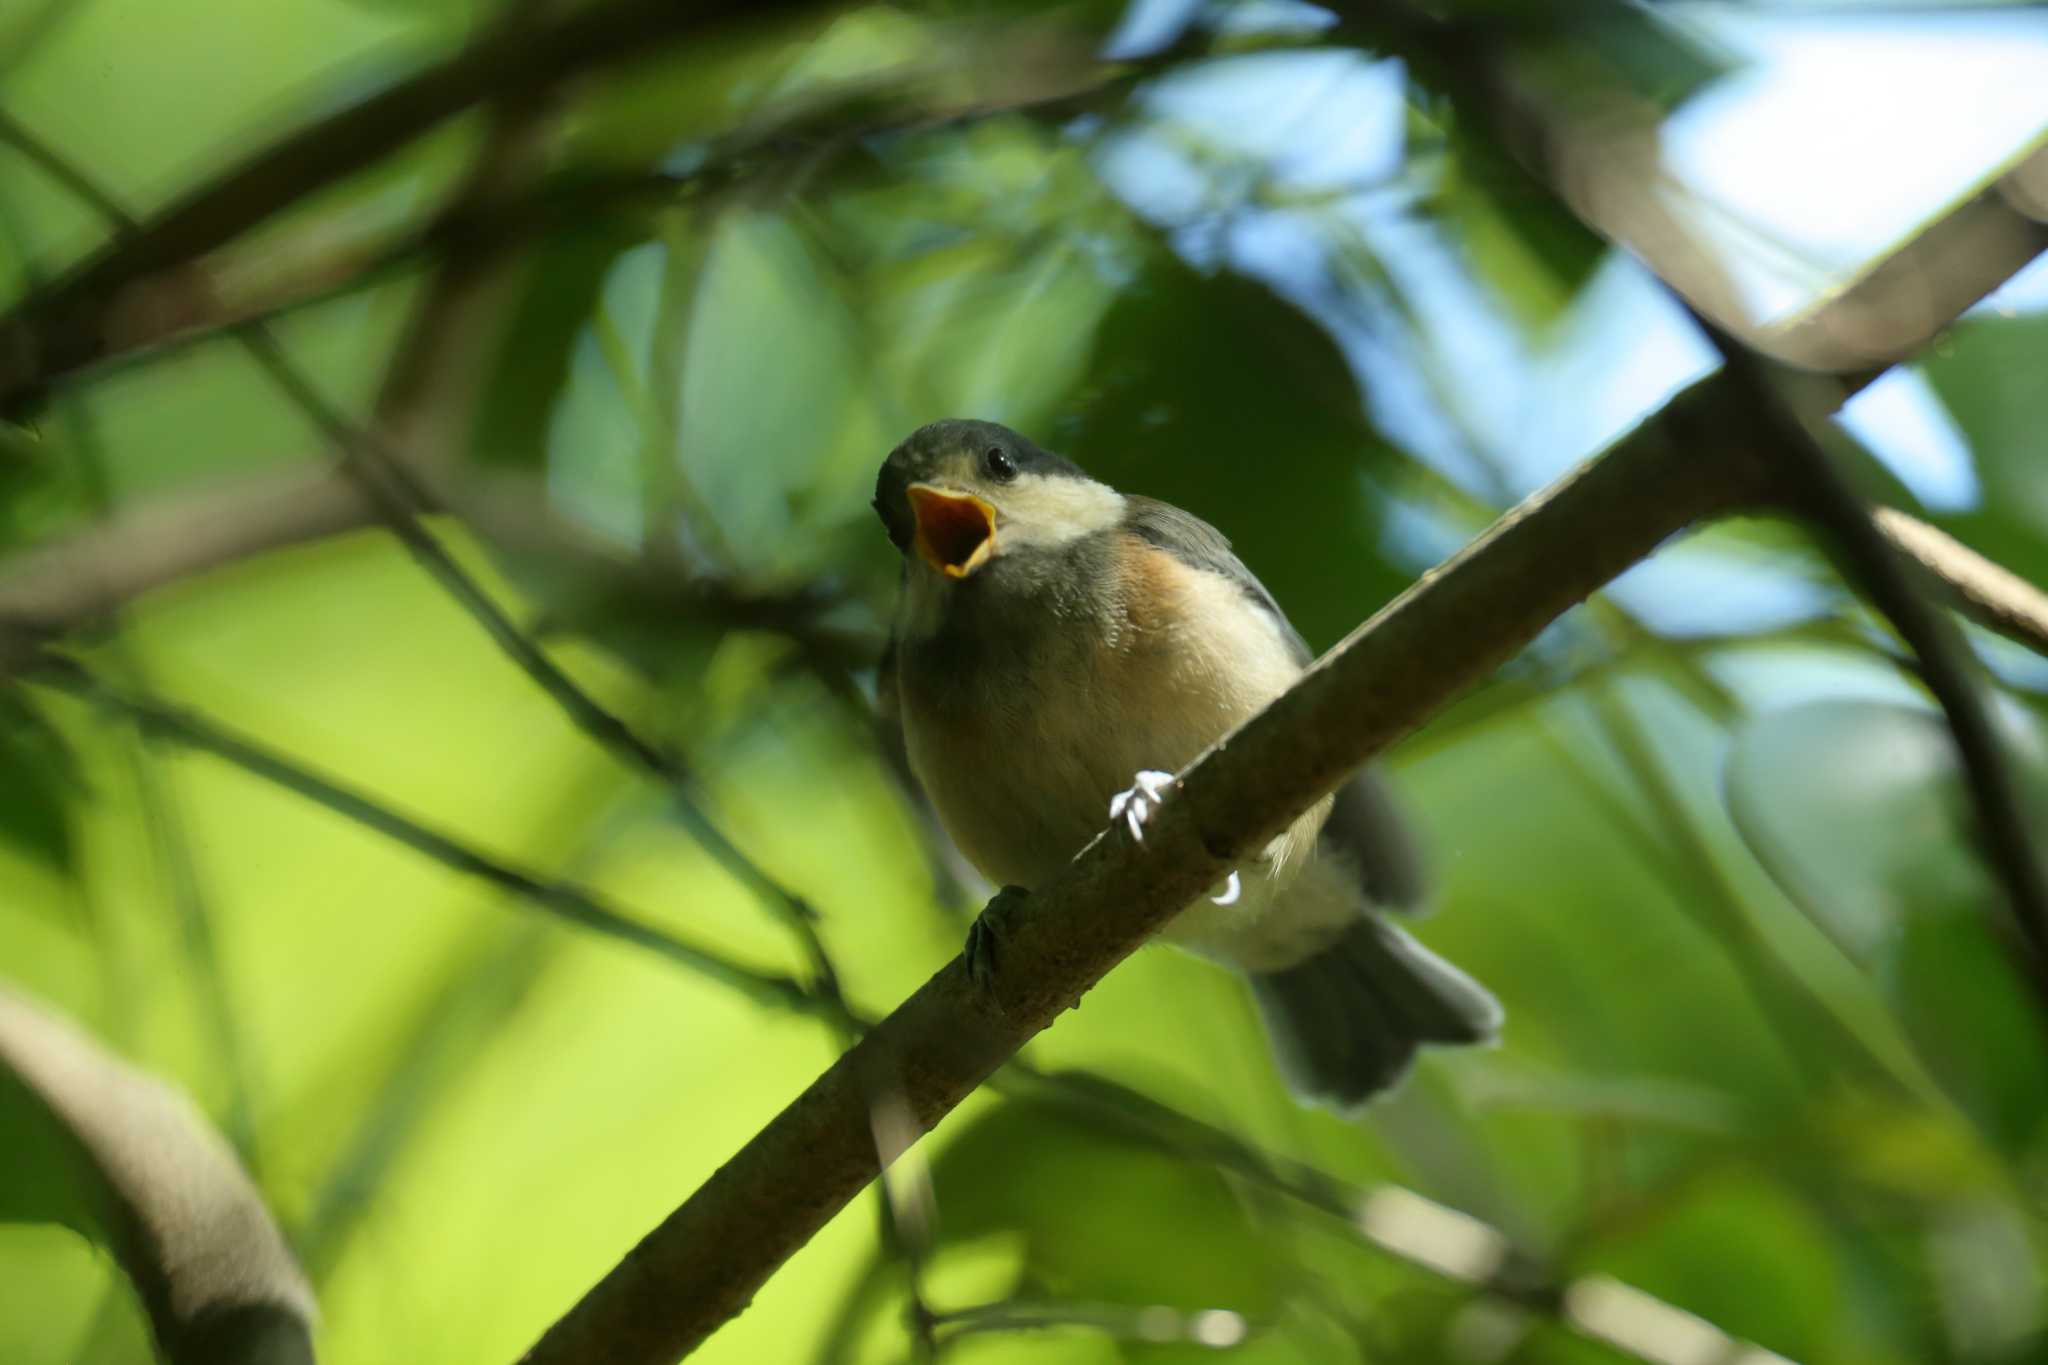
x,y
707,1259
1985,591
65,325
1479,73
801,134
1818,491
565,901
382,477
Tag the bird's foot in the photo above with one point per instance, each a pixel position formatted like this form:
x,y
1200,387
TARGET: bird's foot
x,y
1135,806
985,937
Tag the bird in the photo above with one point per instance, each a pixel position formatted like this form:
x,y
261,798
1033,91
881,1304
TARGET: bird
x,y
1058,650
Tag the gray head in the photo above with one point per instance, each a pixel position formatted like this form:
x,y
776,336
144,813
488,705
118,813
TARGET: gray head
x,y
958,497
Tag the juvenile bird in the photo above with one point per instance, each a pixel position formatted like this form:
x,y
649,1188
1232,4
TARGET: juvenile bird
x,y
1057,645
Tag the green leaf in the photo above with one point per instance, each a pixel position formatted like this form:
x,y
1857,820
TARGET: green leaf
x,y
532,366
1856,808
1603,43
1128,1225
1534,252
1213,393
1986,372
1743,1253
38,779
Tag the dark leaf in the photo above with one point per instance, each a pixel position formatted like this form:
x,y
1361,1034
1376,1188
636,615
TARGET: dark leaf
x,y
528,374
38,780
1128,1225
1987,373
1211,392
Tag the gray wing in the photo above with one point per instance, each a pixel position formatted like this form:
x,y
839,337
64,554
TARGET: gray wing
x,y
1199,545
1365,823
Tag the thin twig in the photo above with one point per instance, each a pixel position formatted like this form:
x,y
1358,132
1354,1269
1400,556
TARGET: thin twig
x,y
568,902
64,325
169,837
1988,593
709,1257
1820,492
381,477
434,366
388,485
384,480
809,132
1466,58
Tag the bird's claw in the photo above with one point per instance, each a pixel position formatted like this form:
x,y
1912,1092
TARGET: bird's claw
x,y
1135,806
985,937
1147,790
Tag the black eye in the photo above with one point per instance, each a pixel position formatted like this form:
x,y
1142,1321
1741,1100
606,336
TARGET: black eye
x,y
999,464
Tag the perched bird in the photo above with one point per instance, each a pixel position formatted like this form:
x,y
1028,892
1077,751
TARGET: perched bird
x,y
1056,637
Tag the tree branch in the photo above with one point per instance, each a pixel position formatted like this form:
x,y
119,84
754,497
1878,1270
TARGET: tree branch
x,y
571,903
1815,489
316,267
1478,70
160,1188
703,1263
65,325
1988,593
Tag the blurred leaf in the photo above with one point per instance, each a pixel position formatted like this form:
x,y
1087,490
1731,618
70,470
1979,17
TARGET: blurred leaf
x,y
1594,43
1533,252
1984,371
662,112
1663,61
1106,1221
1744,1254
38,780
17,447
439,11
1856,809
770,323
1213,393
1651,1100
531,368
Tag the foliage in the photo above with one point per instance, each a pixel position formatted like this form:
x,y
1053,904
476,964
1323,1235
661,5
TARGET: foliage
x,y
1768,1060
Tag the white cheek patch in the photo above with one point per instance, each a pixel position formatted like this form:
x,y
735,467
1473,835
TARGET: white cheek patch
x,y
1043,512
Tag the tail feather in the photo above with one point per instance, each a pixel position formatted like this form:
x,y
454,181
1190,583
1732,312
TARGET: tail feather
x,y
1346,1023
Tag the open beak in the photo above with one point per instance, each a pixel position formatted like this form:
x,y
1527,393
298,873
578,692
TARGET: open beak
x,y
956,532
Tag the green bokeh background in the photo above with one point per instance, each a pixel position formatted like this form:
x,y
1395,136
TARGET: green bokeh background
x,y
1765,1059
